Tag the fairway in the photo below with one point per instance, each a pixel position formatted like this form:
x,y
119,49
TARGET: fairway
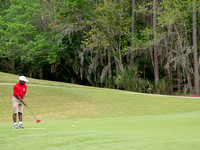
x,y
104,119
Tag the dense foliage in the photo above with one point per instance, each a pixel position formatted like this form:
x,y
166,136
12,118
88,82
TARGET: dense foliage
x,y
136,45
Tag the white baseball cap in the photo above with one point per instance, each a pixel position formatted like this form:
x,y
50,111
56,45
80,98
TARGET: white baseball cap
x,y
23,78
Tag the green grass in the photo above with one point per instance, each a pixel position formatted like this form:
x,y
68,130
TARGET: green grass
x,y
104,119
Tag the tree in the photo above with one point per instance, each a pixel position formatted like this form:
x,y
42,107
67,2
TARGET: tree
x,y
23,38
195,54
101,42
156,67
132,32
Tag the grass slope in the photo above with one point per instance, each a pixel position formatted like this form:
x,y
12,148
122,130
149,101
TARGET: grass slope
x,y
104,119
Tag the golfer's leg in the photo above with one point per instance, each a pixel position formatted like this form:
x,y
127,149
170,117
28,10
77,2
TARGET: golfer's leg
x,y
14,118
20,116
20,111
15,109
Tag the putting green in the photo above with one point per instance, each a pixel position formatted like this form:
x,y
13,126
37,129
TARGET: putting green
x,y
177,132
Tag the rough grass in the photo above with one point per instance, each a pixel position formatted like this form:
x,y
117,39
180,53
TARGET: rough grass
x,y
104,118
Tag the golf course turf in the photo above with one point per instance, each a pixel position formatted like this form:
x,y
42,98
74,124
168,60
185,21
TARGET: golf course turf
x,y
103,119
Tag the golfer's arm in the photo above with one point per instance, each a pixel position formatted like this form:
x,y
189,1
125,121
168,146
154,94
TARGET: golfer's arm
x,y
24,96
22,100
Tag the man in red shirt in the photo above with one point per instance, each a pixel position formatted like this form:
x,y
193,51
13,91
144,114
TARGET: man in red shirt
x,y
18,101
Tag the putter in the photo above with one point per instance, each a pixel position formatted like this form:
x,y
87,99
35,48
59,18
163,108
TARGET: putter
x,y
37,120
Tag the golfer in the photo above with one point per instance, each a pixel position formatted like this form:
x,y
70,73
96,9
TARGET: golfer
x,y
18,101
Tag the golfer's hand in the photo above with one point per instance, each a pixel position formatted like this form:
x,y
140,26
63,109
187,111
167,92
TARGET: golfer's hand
x,y
24,102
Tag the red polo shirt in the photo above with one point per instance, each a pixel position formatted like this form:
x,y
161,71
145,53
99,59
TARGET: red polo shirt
x,y
19,90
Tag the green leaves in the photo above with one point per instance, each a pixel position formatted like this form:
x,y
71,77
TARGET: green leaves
x,y
91,40
21,38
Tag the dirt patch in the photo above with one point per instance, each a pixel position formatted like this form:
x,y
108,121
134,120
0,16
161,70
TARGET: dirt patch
x,y
192,95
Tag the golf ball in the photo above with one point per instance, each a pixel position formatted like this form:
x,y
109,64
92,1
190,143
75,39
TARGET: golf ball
x,y
73,126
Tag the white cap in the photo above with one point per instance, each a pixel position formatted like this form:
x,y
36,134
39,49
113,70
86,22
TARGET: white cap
x,y
23,78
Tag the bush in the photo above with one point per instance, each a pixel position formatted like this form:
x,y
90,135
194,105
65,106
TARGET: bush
x,y
128,79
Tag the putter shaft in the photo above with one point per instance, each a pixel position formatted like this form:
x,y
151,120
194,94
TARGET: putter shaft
x,y
31,112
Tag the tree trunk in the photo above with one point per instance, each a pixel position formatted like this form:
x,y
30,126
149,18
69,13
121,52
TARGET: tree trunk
x,y
109,63
68,70
132,32
189,82
179,79
120,34
4,1
195,54
156,67
53,68
170,76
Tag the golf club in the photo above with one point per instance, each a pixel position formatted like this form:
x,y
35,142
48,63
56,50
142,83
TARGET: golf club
x,y
37,120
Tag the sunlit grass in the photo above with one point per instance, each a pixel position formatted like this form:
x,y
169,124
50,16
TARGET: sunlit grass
x,y
104,119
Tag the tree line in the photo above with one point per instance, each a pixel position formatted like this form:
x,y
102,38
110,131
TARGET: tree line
x,y
147,46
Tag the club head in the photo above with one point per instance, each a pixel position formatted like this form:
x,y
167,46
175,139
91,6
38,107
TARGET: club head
x,y
38,120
